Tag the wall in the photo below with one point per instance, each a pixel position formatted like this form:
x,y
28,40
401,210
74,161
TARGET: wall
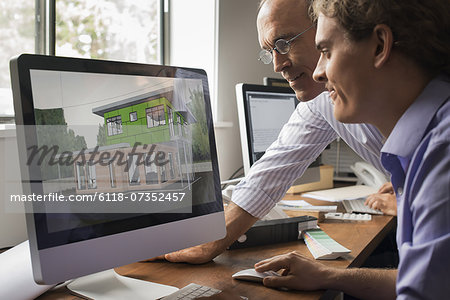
x,y
12,224
236,61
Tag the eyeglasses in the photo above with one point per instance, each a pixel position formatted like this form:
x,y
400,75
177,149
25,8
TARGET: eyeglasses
x,y
281,46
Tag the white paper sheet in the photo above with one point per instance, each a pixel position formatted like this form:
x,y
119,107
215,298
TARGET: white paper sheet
x,y
339,194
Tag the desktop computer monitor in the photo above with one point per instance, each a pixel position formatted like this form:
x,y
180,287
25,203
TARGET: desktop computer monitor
x,y
118,162
263,111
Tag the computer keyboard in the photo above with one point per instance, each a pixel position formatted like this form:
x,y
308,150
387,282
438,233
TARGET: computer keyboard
x,y
357,205
193,291
348,216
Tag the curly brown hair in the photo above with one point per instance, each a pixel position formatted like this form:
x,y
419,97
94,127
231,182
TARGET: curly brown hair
x,y
421,29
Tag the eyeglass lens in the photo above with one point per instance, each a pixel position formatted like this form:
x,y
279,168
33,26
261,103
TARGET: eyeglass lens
x,y
265,56
282,46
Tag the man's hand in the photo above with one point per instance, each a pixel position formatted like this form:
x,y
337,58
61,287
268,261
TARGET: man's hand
x,y
384,200
237,220
197,255
299,272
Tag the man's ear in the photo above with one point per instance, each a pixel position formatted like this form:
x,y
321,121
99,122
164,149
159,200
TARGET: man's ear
x,y
384,40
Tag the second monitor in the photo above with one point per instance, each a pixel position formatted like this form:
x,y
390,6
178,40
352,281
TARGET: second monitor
x,y
263,111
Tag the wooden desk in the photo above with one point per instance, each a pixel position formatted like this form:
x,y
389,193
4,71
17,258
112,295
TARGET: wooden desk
x,y
361,237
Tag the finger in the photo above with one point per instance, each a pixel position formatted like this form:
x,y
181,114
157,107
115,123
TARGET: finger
x,y
370,199
161,257
274,264
267,260
190,256
179,256
277,281
385,187
266,266
172,257
374,205
382,188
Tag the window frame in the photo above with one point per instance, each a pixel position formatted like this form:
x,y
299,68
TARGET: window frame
x,y
133,116
153,115
114,125
45,28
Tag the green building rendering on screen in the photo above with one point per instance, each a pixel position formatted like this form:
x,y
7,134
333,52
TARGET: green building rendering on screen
x,y
140,127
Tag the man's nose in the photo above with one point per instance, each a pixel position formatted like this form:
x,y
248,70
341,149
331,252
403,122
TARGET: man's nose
x,y
280,61
319,74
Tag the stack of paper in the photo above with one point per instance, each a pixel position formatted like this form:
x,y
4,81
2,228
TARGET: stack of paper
x,y
322,246
303,205
339,194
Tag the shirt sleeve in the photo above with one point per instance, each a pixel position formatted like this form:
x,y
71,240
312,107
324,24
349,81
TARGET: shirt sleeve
x,y
424,231
299,143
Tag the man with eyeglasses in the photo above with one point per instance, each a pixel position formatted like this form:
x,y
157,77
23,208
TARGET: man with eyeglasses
x,y
286,35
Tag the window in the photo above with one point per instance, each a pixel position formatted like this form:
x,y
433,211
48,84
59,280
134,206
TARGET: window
x,y
155,116
109,29
81,178
172,171
151,175
114,125
162,173
112,174
133,116
187,24
134,177
170,114
131,30
106,29
91,176
16,36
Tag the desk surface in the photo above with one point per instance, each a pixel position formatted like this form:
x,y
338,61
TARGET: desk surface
x,y
361,237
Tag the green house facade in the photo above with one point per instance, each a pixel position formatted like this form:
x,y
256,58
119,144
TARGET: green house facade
x,y
151,122
150,119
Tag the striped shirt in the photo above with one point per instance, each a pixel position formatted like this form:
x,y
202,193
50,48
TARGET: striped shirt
x,y
309,130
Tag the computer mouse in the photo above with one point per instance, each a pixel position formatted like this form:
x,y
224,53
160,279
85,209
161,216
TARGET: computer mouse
x,y
252,275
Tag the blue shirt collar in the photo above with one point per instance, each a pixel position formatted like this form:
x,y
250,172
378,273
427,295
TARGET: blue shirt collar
x,y
411,127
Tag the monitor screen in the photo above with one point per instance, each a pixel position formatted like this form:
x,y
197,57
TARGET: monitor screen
x,y
263,111
266,114
118,162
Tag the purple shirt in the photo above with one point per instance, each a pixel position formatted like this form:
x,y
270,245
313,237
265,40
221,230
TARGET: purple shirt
x,y
417,154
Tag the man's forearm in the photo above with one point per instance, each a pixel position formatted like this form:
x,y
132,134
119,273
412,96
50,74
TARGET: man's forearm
x,y
238,221
364,283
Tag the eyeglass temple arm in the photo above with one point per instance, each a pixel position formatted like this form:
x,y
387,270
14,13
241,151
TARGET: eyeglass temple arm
x,y
290,40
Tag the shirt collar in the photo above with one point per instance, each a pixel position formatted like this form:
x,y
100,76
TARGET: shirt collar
x,y
411,127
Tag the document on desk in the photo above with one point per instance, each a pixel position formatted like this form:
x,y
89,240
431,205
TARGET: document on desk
x,y
343,193
323,246
303,205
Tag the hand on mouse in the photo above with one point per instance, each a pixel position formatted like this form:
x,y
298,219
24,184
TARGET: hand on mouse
x,y
299,272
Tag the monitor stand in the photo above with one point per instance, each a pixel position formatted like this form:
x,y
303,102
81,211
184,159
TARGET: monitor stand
x,y
108,285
